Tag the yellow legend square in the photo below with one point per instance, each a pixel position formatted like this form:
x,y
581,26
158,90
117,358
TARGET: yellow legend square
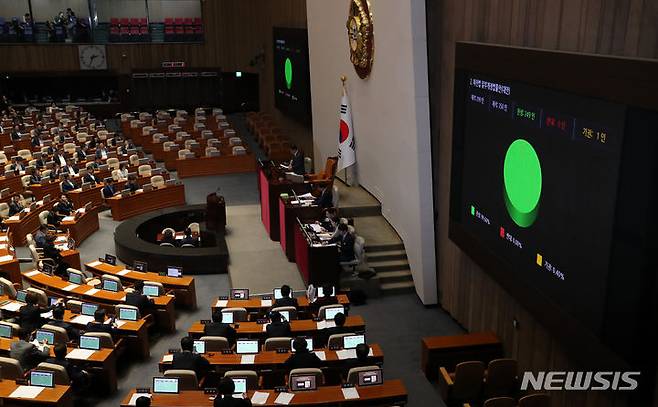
x,y
540,260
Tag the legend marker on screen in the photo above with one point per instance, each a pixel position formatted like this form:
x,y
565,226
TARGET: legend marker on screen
x,y
472,210
502,232
540,260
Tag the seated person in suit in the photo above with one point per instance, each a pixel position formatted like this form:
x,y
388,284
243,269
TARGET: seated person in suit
x,y
27,354
63,207
82,155
302,357
139,300
286,300
168,237
77,376
91,178
70,168
278,328
16,133
218,328
188,239
339,320
60,159
36,139
35,176
325,200
15,205
328,299
225,397
108,189
362,351
97,162
29,315
101,151
187,360
131,185
99,325
40,236
331,220
56,171
67,184
297,161
58,320
345,240
52,252
41,161
123,172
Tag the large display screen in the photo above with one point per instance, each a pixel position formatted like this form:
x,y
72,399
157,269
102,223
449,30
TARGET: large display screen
x,y
292,93
538,186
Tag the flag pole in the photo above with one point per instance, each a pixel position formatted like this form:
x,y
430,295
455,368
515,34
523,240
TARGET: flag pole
x,y
343,78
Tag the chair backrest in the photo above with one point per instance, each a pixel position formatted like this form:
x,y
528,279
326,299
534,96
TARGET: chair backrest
x,y
71,270
500,402
166,146
250,375
42,298
330,167
215,343
157,181
144,170
105,339
69,148
134,160
468,380
25,180
353,373
166,244
194,227
210,150
533,400
360,249
3,158
25,154
11,368
116,175
187,379
278,342
239,314
319,377
4,209
113,163
501,377
182,153
74,306
61,336
112,278
8,287
43,217
119,307
322,312
46,173
292,311
239,150
336,340
60,375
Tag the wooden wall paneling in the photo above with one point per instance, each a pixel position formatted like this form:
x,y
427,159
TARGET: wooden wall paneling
x,y
615,27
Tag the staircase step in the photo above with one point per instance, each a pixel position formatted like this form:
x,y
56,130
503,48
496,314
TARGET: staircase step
x,y
405,287
383,247
388,255
391,265
395,276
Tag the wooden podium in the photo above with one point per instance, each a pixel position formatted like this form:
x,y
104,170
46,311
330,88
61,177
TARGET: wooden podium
x,y
215,212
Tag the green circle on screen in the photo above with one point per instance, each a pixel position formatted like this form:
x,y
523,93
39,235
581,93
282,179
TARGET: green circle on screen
x,y
288,72
522,182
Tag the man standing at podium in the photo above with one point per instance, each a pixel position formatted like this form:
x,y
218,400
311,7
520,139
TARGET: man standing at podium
x,y
297,162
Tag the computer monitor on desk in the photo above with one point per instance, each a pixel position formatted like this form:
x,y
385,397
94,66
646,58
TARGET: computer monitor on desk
x,y
42,378
90,342
330,313
88,309
303,383
246,346
175,272
167,385
199,347
370,377
110,285
240,384
127,314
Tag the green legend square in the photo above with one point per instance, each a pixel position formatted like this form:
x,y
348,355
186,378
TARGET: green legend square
x,y
472,210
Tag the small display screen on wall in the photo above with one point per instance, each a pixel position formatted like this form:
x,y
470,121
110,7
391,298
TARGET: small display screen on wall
x,y
292,92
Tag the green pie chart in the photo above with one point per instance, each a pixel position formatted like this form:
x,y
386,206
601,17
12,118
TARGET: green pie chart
x,y
522,182
288,73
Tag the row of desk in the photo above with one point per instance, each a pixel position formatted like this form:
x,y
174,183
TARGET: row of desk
x,y
142,202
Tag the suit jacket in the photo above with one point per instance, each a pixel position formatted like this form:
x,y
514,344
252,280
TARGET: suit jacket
x,y
108,191
74,372
27,354
99,327
35,179
140,301
220,329
285,302
297,164
326,333
278,329
14,208
191,361
132,186
67,185
99,153
346,246
30,317
231,402
325,199
169,240
71,331
89,177
300,360
189,240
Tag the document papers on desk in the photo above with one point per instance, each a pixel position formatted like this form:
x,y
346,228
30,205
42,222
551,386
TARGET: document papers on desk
x,y
325,324
32,273
168,358
248,359
349,354
82,319
95,263
12,306
284,398
316,228
93,291
320,354
26,392
265,303
259,398
82,354
68,218
221,303
123,272
134,397
7,257
71,287
350,393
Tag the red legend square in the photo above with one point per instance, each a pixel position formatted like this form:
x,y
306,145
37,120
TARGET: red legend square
x,y
502,232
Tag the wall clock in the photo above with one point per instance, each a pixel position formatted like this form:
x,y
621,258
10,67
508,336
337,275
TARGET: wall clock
x,y
361,37
92,57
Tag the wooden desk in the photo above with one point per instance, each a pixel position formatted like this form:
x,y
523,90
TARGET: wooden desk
x,y
391,391
183,288
142,202
104,358
10,267
79,198
83,227
255,304
317,264
29,223
288,214
60,396
298,327
224,164
46,188
270,188
164,304
448,351
272,360
13,182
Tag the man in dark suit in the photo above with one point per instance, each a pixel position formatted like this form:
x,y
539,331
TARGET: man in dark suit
x,y
36,140
297,161
131,185
14,205
101,151
330,221
108,189
188,239
99,325
218,328
139,300
325,200
35,177
29,314
27,354
339,320
188,360
286,300
328,298
63,207
90,178
67,184
77,376
70,168
225,397
278,328
168,237
58,320
346,242
302,358
362,359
